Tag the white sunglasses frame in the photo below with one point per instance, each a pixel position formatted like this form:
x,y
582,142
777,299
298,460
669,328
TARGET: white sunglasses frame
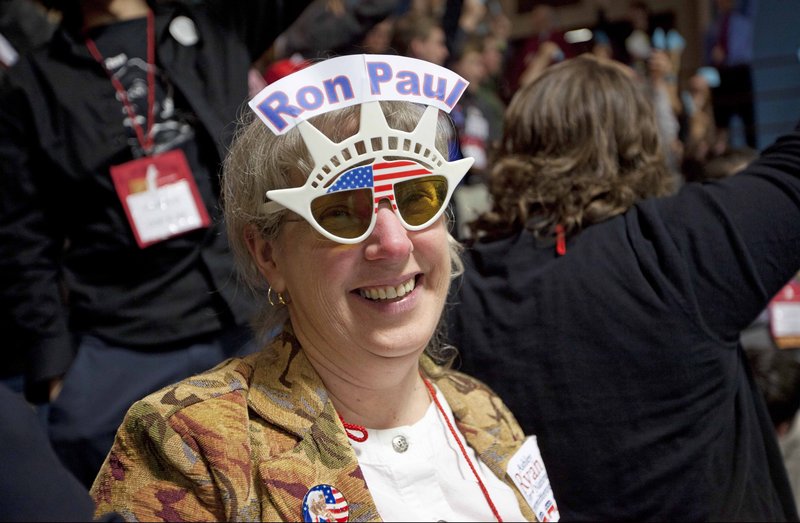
x,y
379,142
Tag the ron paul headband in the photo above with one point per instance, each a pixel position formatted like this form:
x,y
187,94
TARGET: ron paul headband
x,y
350,178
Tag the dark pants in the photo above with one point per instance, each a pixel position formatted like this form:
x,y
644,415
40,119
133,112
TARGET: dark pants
x,y
735,97
34,485
103,382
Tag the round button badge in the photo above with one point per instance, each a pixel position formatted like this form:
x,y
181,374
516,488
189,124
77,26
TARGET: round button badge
x,y
325,503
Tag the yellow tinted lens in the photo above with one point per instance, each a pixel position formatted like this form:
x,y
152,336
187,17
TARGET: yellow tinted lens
x,y
346,214
419,200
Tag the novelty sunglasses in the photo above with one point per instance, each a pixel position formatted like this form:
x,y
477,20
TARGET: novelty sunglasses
x,y
342,195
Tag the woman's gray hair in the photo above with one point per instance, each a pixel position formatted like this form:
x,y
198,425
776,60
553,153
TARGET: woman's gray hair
x,y
260,161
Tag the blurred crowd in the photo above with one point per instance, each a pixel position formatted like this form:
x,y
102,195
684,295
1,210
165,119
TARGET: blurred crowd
x,y
696,111
474,37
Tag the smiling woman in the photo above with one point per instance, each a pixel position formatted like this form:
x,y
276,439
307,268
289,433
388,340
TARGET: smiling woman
x,y
339,224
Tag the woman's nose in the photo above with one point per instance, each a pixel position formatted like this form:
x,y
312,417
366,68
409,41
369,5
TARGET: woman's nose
x,y
389,239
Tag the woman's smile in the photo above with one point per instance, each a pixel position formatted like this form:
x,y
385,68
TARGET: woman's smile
x,y
388,292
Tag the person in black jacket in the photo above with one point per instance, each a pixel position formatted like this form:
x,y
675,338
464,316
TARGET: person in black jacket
x,y
606,310
115,271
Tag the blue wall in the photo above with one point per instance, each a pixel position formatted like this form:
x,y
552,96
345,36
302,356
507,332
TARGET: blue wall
x,y
776,68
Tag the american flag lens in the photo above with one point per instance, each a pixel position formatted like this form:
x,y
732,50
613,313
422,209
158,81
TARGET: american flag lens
x,y
350,204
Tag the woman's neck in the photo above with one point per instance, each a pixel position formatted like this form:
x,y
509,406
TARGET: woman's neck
x,y
104,12
387,395
384,408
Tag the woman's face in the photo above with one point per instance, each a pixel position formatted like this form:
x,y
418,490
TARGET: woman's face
x,y
353,304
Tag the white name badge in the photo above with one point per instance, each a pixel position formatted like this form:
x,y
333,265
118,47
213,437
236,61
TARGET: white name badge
x,y
343,81
160,197
164,212
526,469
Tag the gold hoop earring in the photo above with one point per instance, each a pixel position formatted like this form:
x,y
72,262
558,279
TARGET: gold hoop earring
x,y
279,296
269,296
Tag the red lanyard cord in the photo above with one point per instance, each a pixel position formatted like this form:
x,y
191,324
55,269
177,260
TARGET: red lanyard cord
x,y
350,427
145,137
485,491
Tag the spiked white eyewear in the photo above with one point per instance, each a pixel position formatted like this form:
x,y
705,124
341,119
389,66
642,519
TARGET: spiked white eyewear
x,y
341,196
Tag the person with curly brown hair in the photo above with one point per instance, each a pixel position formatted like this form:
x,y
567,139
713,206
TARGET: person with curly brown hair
x,y
605,308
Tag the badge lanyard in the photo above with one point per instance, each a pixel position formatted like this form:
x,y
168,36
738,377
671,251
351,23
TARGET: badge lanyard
x,y
144,136
485,491
158,192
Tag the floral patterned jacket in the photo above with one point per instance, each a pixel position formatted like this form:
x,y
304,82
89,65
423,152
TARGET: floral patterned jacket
x,y
246,441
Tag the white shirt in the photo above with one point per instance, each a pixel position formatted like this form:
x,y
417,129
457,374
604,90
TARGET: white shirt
x,y
430,480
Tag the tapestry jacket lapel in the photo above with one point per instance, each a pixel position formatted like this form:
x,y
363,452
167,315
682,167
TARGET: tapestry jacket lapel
x,y
287,392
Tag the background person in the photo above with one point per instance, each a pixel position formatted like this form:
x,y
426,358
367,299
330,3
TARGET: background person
x,y
478,119
115,271
544,47
609,318
420,36
332,27
729,48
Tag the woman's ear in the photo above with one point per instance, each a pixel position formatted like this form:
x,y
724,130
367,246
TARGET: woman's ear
x,y
263,253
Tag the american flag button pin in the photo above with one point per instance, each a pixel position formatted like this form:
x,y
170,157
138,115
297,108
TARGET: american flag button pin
x,y
325,503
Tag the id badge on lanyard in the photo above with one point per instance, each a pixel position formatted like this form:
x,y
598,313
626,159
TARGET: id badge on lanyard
x,y
784,315
160,197
158,192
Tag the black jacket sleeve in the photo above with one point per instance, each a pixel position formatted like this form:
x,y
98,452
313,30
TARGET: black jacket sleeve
x,y
30,247
730,245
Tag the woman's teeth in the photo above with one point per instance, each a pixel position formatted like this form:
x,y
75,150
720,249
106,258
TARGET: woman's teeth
x,y
388,293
